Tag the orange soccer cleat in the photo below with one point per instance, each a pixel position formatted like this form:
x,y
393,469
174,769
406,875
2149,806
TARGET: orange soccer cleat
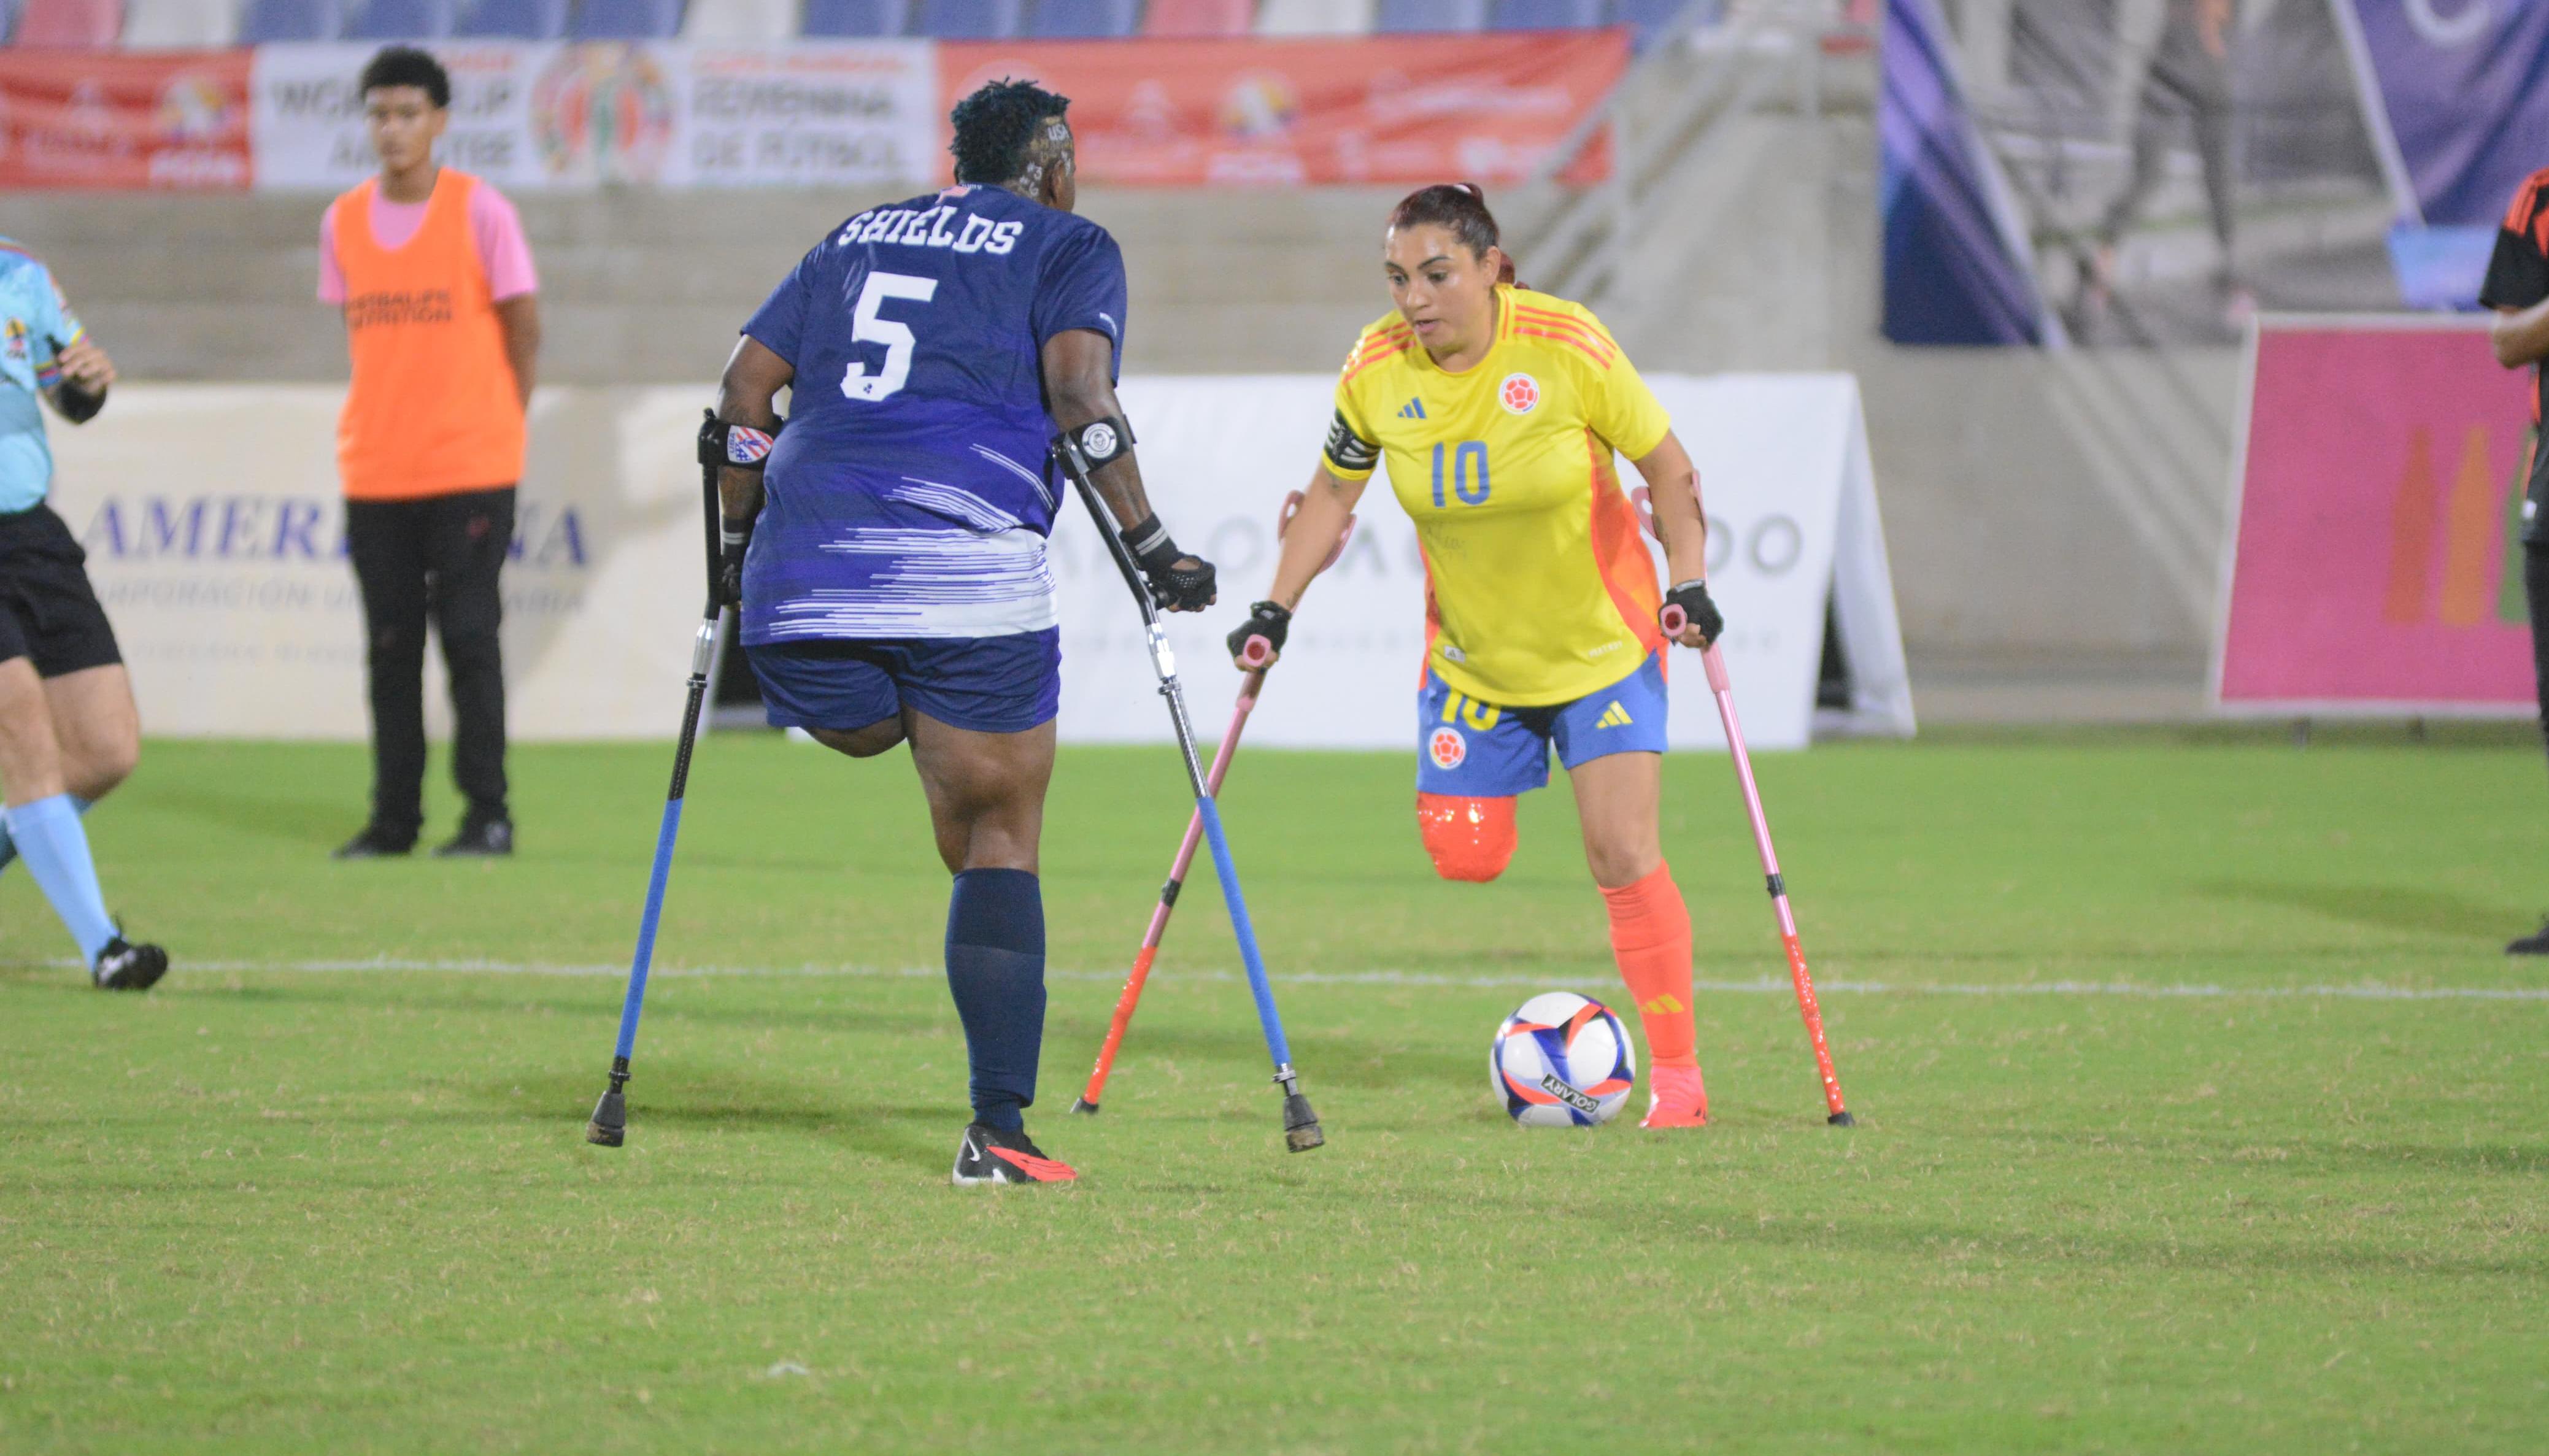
x,y
1679,1098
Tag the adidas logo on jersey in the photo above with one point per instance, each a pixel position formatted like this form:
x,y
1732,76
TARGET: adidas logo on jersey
x,y
1614,716
1414,410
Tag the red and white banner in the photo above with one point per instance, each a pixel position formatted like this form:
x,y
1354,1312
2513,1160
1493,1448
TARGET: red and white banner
x,y
537,115
124,120
1284,113
2376,560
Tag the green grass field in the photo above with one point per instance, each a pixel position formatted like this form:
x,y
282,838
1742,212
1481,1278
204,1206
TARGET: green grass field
x,y
2181,1130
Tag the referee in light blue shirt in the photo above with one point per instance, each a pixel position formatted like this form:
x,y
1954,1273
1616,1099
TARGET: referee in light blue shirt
x,y
68,731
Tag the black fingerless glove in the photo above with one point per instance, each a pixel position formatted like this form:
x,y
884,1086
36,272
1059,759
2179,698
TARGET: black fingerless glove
x,y
734,539
1689,603
1172,586
1266,623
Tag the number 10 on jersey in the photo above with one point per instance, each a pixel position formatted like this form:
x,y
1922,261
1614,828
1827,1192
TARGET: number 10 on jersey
x,y
1469,472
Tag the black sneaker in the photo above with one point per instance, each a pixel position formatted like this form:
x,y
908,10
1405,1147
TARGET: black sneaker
x,y
989,1155
122,967
374,843
483,837
2534,943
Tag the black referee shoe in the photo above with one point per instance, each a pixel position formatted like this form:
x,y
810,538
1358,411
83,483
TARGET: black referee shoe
x,y
479,837
2534,943
122,967
989,1155
374,843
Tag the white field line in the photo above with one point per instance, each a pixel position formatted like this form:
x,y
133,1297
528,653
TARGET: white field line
x,y
2359,991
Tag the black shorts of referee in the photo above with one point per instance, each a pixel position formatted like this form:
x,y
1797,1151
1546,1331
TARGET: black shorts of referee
x,y
47,611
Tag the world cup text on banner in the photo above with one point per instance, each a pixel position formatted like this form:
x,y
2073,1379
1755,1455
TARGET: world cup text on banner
x,y
124,120
2376,565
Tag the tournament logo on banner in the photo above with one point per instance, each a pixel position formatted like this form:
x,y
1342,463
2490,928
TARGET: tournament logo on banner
x,y
1292,113
2377,558
124,120
603,113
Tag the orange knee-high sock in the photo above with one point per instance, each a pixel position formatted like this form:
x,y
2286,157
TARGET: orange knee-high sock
x,y
1650,939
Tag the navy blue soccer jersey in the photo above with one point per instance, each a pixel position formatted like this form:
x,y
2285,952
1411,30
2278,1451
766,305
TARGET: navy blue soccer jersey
x,y
908,495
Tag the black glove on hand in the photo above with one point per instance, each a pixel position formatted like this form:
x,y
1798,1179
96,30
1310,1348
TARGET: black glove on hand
x,y
734,538
1174,586
1265,620
1688,603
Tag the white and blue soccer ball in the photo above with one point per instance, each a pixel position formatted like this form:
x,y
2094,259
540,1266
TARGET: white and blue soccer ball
x,y
1562,1061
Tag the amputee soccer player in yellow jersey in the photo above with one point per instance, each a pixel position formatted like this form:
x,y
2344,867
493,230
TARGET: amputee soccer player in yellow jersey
x,y
1498,409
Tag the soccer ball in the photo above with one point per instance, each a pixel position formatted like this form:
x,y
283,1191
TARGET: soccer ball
x,y
1562,1061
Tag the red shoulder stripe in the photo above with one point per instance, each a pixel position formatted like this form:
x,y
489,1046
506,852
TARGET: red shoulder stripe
x,y
1592,336
1570,340
1369,357
2526,203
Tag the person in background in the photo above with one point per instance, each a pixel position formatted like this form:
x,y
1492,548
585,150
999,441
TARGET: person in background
x,y
68,731
2517,289
2188,75
442,323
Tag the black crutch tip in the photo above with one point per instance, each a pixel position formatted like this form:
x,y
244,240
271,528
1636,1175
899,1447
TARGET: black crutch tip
x,y
1084,1107
609,1125
1842,1119
1300,1124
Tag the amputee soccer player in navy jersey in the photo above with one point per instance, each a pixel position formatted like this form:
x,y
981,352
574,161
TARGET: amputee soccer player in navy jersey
x,y
887,547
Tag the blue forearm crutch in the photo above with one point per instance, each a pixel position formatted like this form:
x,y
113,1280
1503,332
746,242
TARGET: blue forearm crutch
x,y
1300,1124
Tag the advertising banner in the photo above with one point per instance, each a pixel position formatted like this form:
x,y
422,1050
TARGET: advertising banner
x,y
2464,89
1285,113
124,120
533,117
2376,563
236,610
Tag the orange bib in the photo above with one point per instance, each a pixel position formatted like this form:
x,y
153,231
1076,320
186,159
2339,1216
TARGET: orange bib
x,y
432,408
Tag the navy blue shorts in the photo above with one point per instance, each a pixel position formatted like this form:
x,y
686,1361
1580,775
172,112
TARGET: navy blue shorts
x,y
989,684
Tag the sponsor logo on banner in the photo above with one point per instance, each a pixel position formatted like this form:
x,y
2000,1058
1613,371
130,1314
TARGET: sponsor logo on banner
x,y
604,112
124,120
2377,559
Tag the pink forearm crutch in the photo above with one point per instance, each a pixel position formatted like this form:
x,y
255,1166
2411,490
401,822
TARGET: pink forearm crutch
x,y
1260,653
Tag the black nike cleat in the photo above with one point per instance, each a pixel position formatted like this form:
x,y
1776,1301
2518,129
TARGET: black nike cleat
x,y
989,1155
122,967
2534,943
479,838
374,843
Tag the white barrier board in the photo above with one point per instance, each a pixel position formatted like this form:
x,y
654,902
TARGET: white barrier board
x,y
216,539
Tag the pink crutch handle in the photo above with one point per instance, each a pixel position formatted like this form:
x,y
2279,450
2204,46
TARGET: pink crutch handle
x,y
1673,619
1257,654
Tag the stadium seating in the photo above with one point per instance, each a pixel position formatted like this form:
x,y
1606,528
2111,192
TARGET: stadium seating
x,y
291,19
627,20
190,25
1314,18
1197,18
1405,16
1544,15
511,20
740,22
400,20
854,19
967,20
68,24
1082,19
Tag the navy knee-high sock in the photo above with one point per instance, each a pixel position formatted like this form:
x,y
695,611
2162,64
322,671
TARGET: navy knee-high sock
x,y
996,968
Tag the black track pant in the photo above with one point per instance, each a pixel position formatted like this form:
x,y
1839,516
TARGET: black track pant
x,y
2535,588
434,559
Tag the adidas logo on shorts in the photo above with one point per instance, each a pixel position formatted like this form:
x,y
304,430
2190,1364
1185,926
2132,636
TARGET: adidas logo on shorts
x,y
1614,716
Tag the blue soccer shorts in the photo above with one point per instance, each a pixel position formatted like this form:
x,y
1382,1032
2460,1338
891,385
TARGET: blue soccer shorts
x,y
990,684
1478,750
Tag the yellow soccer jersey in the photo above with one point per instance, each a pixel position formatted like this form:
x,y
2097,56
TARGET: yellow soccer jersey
x,y
1538,588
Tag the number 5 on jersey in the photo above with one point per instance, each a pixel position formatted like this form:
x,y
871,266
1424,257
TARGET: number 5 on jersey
x,y
870,326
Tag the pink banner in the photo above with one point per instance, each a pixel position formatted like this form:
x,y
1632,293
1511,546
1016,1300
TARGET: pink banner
x,y
2379,561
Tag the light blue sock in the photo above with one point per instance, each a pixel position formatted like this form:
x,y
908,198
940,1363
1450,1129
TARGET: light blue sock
x,y
47,833
8,846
